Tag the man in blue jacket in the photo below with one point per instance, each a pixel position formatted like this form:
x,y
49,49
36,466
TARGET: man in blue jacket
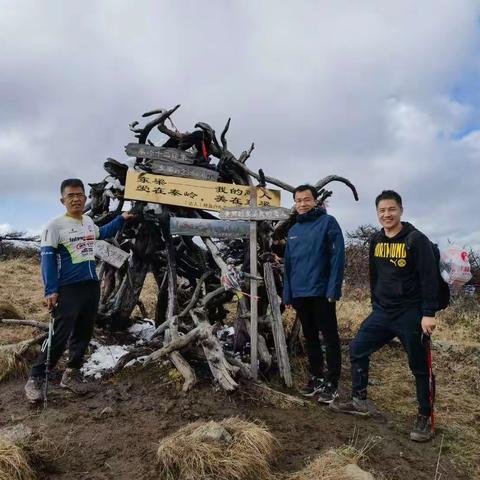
x,y
72,289
314,261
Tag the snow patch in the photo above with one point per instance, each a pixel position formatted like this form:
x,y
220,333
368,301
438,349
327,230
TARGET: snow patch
x,y
143,331
103,359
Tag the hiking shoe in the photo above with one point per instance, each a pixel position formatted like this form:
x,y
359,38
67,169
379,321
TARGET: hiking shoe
x,y
72,380
327,394
33,389
355,406
422,429
313,386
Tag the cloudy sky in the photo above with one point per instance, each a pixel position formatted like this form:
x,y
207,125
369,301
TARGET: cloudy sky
x,y
385,93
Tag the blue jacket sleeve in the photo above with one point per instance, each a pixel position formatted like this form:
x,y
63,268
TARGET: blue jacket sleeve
x,y
337,260
111,228
287,293
49,269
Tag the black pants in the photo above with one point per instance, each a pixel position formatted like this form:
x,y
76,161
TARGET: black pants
x,y
317,315
377,330
73,325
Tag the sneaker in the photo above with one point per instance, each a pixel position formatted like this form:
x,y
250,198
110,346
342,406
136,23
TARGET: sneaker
x,y
72,380
313,386
327,394
355,406
422,429
33,389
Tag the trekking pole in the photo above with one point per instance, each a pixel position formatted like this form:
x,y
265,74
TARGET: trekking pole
x,y
48,346
431,381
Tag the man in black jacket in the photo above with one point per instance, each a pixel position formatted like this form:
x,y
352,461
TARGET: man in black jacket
x,y
404,289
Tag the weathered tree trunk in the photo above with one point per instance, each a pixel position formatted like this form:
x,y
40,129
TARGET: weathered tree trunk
x,y
190,307
277,326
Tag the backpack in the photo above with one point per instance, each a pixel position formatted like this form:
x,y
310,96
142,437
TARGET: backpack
x,y
443,295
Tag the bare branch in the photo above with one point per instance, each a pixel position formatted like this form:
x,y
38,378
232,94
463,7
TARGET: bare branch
x,y
24,323
223,136
144,132
335,178
272,180
245,155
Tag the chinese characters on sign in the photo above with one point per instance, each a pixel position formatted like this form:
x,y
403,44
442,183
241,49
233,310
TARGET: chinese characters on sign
x,y
187,192
208,228
158,153
256,213
177,170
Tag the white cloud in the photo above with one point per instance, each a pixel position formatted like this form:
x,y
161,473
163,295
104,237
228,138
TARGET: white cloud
x,y
5,228
361,89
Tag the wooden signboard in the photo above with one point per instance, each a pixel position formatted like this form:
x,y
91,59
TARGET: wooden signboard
x,y
209,228
175,155
109,253
162,167
255,213
187,192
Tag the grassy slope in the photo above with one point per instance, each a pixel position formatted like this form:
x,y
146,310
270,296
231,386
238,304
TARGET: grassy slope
x,y
458,409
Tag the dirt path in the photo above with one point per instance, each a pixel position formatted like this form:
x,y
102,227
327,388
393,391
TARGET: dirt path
x,y
113,434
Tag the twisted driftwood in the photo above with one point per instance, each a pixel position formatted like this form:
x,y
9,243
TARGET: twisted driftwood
x,y
192,293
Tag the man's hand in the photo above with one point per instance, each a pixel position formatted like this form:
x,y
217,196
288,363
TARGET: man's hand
x,y
288,306
51,301
428,325
128,216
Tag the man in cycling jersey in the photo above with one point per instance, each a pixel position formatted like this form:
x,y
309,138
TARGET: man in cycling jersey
x,y
72,289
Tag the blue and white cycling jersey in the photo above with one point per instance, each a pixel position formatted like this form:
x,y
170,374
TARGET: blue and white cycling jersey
x,y
67,250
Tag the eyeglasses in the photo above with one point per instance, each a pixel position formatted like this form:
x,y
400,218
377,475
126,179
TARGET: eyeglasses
x,y
71,196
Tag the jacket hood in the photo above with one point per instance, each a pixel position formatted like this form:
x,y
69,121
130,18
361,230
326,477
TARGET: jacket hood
x,y
407,228
311,215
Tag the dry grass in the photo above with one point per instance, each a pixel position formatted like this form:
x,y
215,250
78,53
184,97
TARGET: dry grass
x,y
149,296
14,462
21,287
456,324
186,455
459,322
27,457
43,452
331,464
21,295
12,363
12,358
458,383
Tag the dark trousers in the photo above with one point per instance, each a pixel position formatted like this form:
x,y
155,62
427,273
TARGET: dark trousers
x,y
377,330
317,315
73,325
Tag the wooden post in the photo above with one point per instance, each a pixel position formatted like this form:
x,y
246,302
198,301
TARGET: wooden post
x,y
253,290
277,326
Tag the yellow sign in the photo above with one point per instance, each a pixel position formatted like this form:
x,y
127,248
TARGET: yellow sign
x,y
186,192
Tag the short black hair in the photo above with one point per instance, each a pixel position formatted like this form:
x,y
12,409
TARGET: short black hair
x,y
389,195
71,182
302,188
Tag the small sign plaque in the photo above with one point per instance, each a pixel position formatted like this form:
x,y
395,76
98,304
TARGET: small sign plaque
x,y
141,150
188,192
208,228
109,253
255,213
179,170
